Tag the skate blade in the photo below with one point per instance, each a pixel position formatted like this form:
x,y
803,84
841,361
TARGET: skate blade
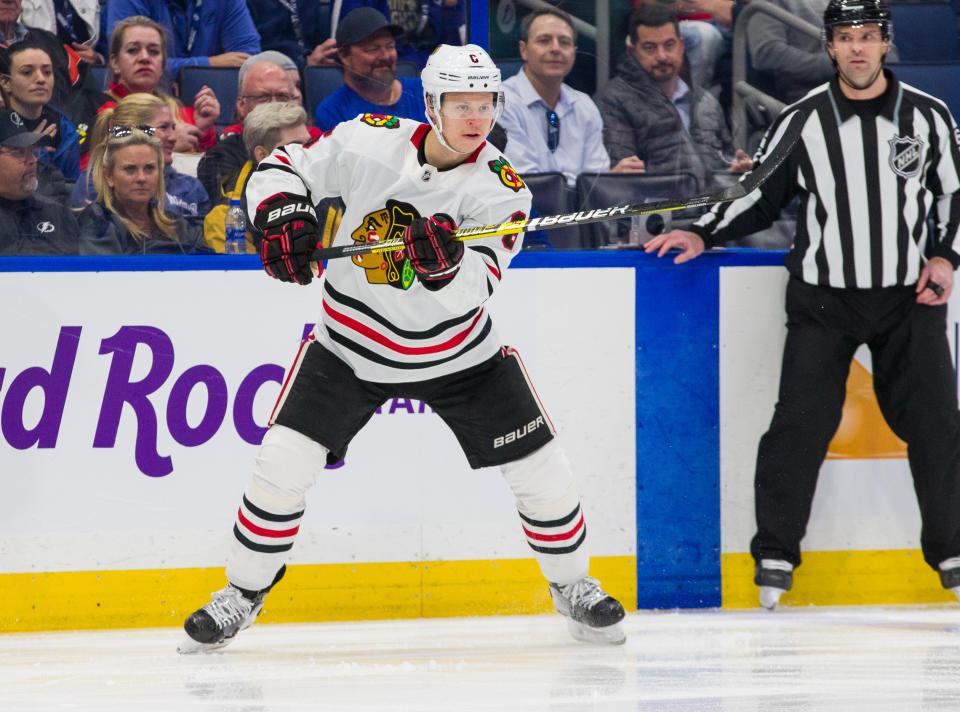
x,y
608,635
189,646
770,596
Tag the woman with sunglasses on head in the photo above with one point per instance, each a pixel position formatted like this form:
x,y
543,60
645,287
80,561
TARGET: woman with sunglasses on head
x,y
185,195
128,217
26,84
137,61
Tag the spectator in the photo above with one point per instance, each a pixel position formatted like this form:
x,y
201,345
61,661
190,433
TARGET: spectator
x,y
26,81
72,93
265,128
789,62
127,218
550,126
185,195
261,81
650,112
366,46
76,23
137,56
216,33
706,29
29,224
300,29
287,65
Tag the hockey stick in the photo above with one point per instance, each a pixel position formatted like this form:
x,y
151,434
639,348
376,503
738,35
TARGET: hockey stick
x,y
747,185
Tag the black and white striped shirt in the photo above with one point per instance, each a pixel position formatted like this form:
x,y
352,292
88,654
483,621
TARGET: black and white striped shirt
x,y
867,175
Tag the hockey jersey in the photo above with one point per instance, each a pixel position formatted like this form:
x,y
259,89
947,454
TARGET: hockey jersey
x,y
376,315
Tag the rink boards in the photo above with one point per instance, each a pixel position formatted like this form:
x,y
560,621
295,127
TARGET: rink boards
x,y
134,391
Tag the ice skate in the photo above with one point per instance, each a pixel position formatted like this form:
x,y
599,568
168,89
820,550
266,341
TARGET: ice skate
x,y
775,578
950,574
216,624
593,616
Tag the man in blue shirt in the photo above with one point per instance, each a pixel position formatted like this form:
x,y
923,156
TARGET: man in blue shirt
x,y
366,46
550,126
216,33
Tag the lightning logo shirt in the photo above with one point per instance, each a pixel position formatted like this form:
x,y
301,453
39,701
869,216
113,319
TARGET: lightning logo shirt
x,y
376,316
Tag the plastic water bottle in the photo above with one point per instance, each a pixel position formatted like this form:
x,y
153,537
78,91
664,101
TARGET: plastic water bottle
x,y
235,229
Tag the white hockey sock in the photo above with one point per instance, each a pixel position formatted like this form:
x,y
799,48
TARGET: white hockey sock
x,y
268,519
550,513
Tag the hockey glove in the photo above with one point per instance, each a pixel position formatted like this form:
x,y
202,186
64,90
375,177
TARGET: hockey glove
x,y
432,249
290,235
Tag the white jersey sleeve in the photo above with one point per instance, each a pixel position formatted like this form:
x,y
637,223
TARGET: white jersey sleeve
x,y
316,169
497,195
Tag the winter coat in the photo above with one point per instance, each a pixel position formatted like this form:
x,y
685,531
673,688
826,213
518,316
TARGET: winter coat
x,y
37,226
639,120
102,233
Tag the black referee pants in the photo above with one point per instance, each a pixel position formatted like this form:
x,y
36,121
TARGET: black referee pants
x,y
916,389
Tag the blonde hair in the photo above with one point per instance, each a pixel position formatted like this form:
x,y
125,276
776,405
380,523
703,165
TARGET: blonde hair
x,y
263,125
132,110
102,161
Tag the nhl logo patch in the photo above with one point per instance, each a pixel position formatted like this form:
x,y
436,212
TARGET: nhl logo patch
x,y
906,155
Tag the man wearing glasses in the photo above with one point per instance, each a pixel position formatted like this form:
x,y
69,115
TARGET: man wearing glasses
x,y
550,126
367,49
29,224
261,81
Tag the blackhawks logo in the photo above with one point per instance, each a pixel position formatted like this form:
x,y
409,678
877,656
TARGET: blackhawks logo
x,y
505,172
388,223
384,122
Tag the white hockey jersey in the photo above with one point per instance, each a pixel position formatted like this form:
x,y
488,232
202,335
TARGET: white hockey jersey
x,y
376,315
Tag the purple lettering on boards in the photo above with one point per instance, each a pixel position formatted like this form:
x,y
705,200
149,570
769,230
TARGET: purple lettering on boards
x,y
215,411
120,389
247,427
54,384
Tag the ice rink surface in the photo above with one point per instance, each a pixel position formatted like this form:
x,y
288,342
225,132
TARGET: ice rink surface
x,y
797,660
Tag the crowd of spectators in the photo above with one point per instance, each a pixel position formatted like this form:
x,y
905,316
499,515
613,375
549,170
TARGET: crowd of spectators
x,y
99,148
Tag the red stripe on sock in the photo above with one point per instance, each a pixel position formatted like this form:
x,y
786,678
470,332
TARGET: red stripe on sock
x,y
260,531
555,537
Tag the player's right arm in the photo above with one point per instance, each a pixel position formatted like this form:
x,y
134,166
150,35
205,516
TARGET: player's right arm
x,y
281,194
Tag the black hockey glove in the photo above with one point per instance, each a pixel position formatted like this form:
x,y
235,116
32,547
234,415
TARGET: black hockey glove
x,y
290,235
433,250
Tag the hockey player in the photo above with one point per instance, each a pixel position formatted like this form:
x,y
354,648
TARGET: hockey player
x,y
409,323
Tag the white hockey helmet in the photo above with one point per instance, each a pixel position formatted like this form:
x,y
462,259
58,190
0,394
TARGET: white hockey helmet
x,y
466,68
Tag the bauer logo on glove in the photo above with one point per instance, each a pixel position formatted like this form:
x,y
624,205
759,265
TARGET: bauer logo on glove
x,y
290,235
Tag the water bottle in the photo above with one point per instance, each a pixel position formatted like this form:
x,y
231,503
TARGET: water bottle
x,y
235,229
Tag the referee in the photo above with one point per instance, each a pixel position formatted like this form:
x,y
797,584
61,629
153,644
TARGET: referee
x,y
874,158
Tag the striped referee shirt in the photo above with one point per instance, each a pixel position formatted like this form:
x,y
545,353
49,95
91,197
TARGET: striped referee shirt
x,y
868,173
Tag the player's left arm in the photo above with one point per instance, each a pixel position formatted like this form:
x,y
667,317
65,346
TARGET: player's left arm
x,y
484,261
944,180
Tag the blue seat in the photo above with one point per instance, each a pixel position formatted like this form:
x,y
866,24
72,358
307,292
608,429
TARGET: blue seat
x,y
321,82
551,196
223,81
607,190
941,79
925,32
509,67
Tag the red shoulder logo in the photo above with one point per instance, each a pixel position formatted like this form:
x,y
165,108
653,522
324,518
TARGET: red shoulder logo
x,y
509,241
507,175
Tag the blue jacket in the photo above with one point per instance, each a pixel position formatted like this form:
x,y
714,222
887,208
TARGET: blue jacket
x,y
186,196
224,26
345,104
102,233
65,156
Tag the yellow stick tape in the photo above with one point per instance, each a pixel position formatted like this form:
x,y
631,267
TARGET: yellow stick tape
x,y
841,578
76,600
